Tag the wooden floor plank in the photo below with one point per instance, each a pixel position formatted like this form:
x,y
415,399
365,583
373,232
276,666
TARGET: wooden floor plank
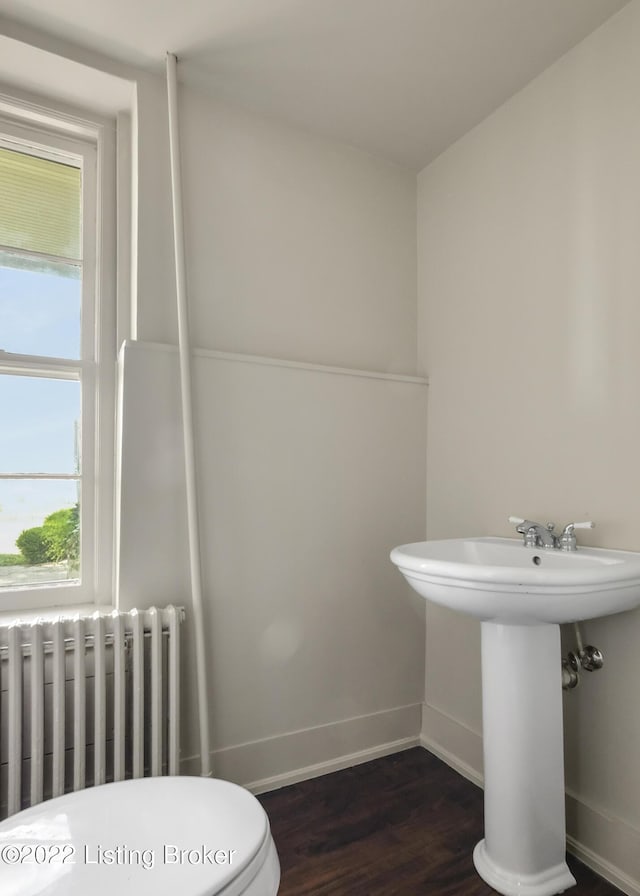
x,y
403,825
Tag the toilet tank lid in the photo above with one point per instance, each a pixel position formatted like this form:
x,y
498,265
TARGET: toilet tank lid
x,y
172,836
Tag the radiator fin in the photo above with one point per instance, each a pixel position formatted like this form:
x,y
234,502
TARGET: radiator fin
x,y
37,714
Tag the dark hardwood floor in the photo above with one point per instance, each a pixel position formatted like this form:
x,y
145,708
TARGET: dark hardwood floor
x,y
404,825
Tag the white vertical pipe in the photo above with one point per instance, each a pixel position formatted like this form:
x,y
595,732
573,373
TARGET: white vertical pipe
x,y
79,705
187,412
118,696
37,714
174,690
14,795
57,783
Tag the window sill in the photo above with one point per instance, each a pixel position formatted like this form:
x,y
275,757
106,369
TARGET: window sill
x,y
50,614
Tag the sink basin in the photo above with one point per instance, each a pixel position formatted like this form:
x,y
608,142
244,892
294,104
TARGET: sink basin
x,y
521,595
501,580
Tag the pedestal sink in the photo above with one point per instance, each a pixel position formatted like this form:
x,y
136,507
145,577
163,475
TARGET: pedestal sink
x,y
521,595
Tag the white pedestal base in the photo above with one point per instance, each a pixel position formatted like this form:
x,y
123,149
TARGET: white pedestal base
x,y
523,852
545,883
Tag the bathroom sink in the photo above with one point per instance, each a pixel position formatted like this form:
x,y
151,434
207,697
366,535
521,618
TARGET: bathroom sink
x,y
501,580
521,594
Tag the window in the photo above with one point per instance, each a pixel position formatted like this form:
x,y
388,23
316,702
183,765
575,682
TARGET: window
x,y
56,371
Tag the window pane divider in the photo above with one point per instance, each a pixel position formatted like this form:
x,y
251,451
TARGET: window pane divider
x,y
41,476
37,365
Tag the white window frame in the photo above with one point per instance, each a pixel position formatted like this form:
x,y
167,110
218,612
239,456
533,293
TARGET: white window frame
x,y
45,133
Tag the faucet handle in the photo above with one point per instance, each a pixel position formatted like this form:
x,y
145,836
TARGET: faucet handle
x,y
522,525
567,541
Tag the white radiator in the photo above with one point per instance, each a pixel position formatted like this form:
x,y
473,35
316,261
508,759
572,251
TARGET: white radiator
x,y
87,700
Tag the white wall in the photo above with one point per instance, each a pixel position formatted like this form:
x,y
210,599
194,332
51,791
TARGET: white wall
x,y
307,479
297,248
529,272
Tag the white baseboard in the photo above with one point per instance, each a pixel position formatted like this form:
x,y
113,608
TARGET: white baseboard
x,y
275,762
457,745
606,844
332,765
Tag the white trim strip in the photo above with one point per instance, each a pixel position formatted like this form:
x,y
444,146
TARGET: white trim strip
x,y
265,785
67,130
610,872
281,362
33,116
303,365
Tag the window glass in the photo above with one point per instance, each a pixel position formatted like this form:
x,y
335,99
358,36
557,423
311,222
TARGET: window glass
x,y
39,532
39,306
40,425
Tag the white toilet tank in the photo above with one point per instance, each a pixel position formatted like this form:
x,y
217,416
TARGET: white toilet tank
x,y
173,836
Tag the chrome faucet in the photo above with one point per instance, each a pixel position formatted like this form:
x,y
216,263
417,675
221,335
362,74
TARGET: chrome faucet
x,y
538,536
535,534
